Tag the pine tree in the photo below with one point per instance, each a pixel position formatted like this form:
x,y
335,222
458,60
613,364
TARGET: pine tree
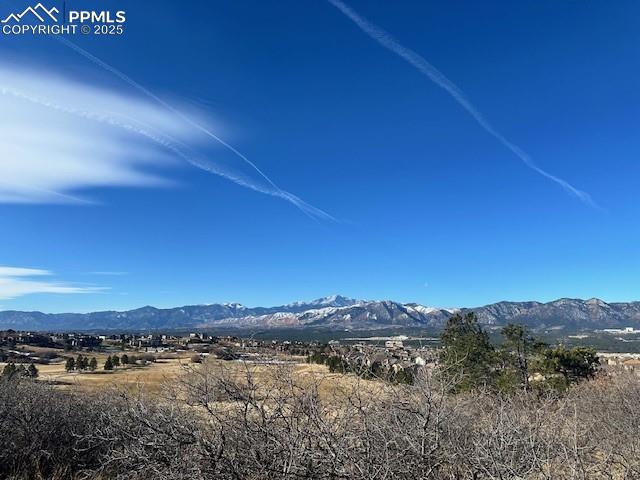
x,y
32,371
513,358
108,365
467,355
93,364
575,364
81,363
9,370
115,360
70,365
125,359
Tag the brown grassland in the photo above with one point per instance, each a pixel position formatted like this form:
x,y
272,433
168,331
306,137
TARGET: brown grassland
x,y
165,371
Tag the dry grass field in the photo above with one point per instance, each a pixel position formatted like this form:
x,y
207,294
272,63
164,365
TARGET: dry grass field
x,y
152,376
302,375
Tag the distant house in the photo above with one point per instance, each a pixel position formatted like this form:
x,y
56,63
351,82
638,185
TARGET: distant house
x,y
418,360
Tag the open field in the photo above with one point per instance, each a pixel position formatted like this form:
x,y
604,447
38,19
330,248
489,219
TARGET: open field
x,y
152,376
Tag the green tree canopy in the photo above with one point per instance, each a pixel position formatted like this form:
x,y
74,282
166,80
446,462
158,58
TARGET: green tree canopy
x,y
32,371
574,364
108,365
9,370
81,363
70,365
467,354
516,349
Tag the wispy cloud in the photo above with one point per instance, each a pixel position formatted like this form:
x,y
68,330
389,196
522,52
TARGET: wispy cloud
x,y
61,137
421,64
17,282
22,272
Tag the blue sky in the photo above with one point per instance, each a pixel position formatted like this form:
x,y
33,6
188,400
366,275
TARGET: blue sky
x,y
428,206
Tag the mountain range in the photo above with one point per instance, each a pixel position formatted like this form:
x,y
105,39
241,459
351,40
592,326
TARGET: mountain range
x,y
336,313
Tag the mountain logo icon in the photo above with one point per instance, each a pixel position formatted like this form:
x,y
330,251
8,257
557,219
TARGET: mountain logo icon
x,y
39,12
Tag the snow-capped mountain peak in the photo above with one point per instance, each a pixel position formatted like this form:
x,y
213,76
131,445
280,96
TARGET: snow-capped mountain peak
x,y
329,301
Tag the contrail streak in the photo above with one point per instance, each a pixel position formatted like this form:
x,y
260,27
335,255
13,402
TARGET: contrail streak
x,y
306,208
164,141
387,41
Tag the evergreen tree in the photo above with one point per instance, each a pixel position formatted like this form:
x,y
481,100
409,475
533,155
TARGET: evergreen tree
x,y
125,359
93,364
467,356
32,371
70,365
574,364
108,365
115,360
517,347
9,370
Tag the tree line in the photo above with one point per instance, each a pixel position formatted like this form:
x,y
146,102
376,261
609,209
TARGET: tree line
x,y
470,361
83,363
11,370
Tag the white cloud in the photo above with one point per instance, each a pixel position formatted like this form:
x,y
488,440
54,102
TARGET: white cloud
x,y
60,137
22,272
17,282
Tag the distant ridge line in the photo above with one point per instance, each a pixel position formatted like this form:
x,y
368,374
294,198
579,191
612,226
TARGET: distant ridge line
x,y
335,312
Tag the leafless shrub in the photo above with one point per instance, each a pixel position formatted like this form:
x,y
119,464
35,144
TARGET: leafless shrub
x,y
225,422
40,431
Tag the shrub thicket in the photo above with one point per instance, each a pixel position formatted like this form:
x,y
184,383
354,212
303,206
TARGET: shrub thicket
x,y
214,424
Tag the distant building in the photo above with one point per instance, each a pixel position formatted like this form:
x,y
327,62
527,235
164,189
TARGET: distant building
x,y
621,331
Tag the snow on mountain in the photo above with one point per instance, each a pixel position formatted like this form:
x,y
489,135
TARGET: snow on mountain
x,y
335,312
330,301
